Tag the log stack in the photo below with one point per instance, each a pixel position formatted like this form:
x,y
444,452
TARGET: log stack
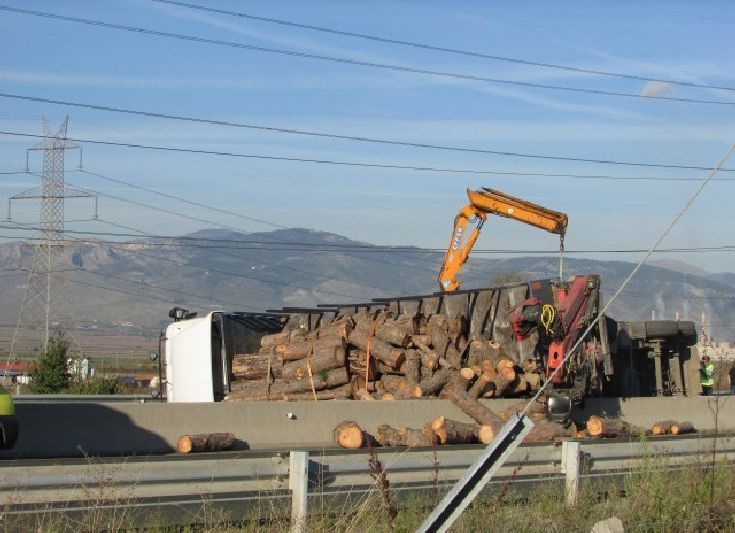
x,y
378,356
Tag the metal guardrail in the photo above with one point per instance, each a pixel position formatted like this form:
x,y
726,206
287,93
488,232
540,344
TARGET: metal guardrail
x,y
247,478
86,398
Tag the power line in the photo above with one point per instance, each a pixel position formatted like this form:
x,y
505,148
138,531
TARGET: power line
x,y
436,48
356,138
644,295
184,200
355,62
340,248
248,276
401,167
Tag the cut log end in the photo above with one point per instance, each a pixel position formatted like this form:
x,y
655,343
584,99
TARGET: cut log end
x,y
205,442
349,434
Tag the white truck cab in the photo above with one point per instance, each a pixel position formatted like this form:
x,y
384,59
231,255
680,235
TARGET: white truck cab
x,y
199,351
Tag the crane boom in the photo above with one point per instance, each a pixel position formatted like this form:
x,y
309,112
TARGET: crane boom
x,y
489,201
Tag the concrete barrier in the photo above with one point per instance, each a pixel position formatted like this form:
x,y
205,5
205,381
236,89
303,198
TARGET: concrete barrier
x,y
75,429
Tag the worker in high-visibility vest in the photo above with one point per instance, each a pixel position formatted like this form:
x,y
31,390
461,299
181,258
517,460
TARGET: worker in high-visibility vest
x,y
706,376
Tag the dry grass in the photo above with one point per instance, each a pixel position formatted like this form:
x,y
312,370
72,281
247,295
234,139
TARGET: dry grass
x,y
698,497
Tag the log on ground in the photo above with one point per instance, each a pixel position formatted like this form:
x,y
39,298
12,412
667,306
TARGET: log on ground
x,y
608,427
663,427
454,432
205,442
349,434
681,428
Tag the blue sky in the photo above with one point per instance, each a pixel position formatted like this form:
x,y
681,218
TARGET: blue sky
x,y
688,41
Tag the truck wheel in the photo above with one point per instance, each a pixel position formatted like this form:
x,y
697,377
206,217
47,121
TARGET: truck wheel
x,y
687,328
661,329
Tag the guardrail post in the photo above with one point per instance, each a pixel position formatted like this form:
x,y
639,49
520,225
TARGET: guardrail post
x,y
570,467
298,479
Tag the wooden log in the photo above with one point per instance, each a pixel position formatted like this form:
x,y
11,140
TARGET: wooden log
x,y
395,333
433,384
255,366
337,393
458,382
340,328
321,346
387,396
550,432
256,390
533,379
393,383
387,436
663,427
681,428
483,350
420,339
454,432
337,377
487,432
362,394
505,381
357,362
443,344
410,437
413,371
488,367
505,362
414,438
521,387
378,348
538,406
607,427
283,337
357,383
323,360
480,385
457,393
205,442
467,373
349,434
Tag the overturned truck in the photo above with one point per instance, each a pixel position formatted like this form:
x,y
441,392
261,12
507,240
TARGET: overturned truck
x,y
506,340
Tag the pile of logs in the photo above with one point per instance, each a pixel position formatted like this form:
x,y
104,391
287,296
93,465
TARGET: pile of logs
x,y
378,357
442,430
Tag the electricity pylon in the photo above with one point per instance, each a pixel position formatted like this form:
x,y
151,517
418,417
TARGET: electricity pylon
x,y
45,304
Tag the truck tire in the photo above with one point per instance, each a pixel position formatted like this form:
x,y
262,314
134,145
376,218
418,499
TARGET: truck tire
x,y
687,328
688,331
661,329
637,331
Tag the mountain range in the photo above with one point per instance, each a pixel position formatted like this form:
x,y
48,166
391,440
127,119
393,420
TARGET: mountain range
x,y
131,286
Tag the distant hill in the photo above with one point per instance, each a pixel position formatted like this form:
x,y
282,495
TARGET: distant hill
x,y
116,285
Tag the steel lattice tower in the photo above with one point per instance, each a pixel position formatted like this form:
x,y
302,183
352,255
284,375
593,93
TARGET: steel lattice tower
x,y
45,303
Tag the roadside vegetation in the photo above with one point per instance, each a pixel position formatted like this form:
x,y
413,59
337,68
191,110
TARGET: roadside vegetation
x,y
51,374
697,498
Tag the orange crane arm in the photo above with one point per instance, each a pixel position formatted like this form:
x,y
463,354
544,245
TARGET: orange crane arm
x,y
489,201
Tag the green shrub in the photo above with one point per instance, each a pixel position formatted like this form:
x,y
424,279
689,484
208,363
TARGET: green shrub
x,y
51,376
96,386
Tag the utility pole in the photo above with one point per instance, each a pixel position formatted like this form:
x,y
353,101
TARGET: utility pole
x,y
45,299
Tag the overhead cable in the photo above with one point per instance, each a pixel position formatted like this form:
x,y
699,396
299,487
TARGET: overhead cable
x,y
357,138
230,244
381,165
346,61
436,48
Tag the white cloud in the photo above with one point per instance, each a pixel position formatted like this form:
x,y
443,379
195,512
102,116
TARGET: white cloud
x,y
655,88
